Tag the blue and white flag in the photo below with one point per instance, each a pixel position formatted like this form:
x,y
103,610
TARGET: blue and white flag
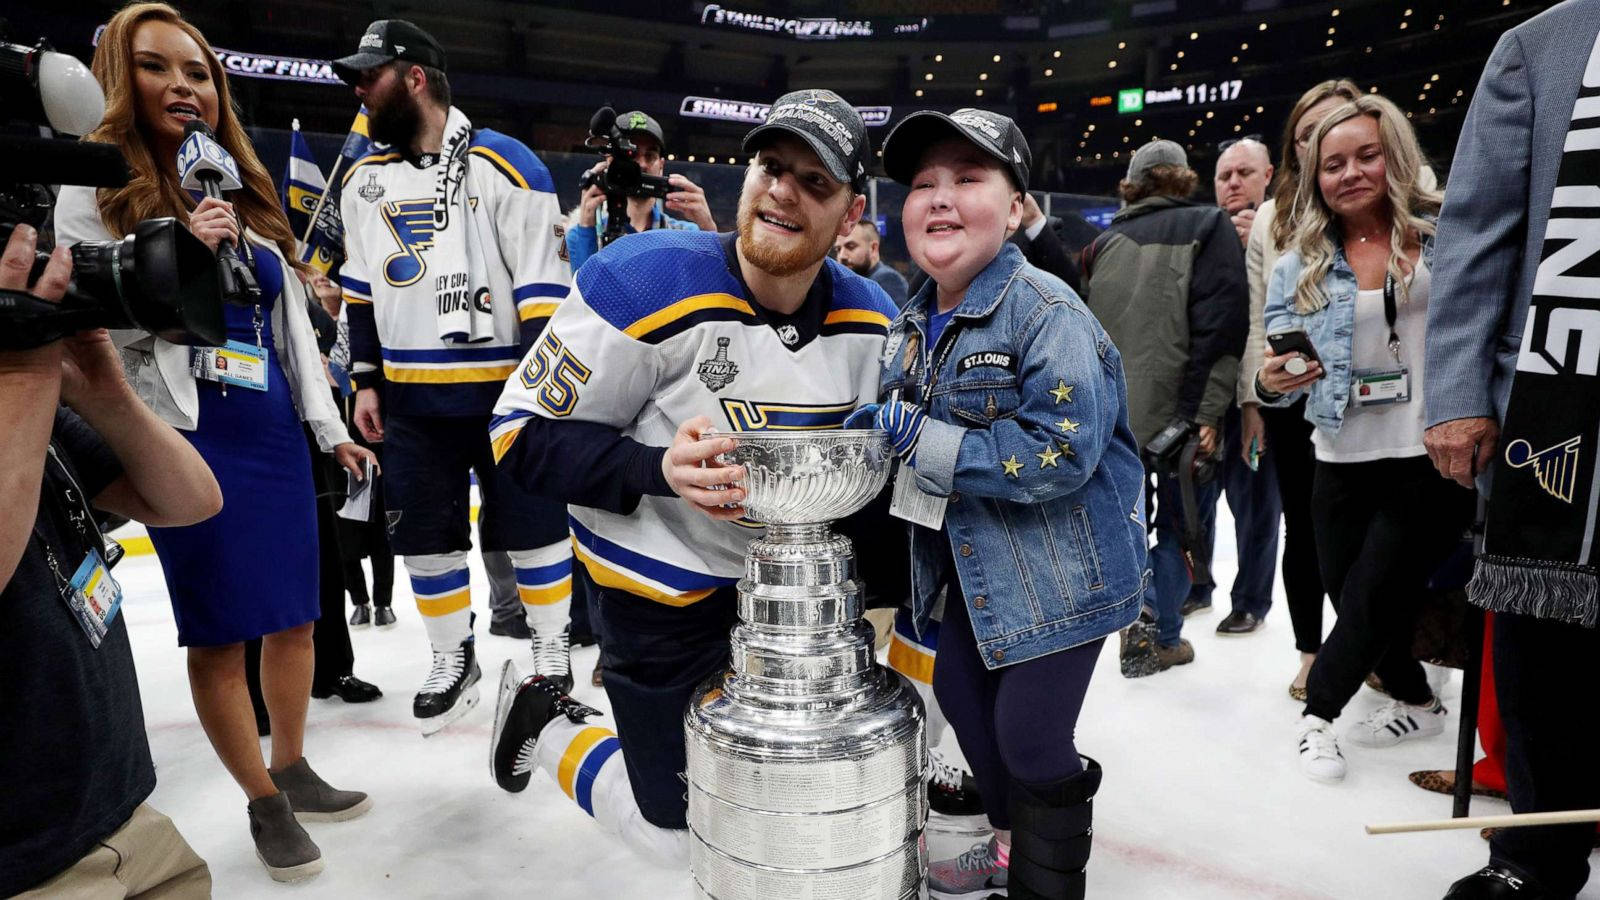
x,y
303,184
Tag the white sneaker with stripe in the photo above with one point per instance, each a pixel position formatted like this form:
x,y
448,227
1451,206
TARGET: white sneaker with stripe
x,y
1320,758
1398,721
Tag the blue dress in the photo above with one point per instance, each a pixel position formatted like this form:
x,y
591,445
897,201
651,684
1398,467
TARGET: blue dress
x,y
251,569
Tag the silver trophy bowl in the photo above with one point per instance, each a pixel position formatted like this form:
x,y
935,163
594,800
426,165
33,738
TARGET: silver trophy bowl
x,y
810,477
806,758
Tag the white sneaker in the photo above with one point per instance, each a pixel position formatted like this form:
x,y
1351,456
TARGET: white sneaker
x,y
1398,720
1320,758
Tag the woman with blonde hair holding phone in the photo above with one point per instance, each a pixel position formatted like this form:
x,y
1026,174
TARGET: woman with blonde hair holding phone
x,y
1353,286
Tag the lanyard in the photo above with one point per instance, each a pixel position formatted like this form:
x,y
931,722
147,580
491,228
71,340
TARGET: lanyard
x,y
1390,314
81,518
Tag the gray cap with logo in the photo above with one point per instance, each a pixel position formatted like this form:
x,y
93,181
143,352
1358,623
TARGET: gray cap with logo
x,y
1155,153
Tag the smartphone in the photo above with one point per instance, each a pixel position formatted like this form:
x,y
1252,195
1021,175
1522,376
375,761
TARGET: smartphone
x,y
1296,341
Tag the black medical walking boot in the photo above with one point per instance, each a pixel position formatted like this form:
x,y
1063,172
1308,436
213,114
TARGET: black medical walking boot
x,y
1050,835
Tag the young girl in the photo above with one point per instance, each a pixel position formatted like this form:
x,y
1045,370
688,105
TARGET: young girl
x,y
1006,402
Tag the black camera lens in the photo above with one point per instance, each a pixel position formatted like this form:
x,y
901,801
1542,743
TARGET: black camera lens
x,y
161,279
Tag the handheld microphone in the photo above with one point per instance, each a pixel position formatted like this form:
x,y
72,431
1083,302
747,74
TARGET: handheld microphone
x,y
204,166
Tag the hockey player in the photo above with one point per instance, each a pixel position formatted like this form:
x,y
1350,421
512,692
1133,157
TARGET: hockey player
x,y
453,264
745,331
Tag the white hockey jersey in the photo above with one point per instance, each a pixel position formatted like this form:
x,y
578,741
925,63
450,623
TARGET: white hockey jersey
x,y
659,329
395,279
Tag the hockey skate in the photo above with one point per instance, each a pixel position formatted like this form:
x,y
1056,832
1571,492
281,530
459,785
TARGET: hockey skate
x,y
451,689
552,658
524,706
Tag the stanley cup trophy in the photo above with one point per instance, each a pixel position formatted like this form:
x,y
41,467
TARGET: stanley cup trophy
x,y
806,760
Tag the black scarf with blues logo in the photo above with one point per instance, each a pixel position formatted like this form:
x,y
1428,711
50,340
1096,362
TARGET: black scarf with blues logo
x,y
1539,550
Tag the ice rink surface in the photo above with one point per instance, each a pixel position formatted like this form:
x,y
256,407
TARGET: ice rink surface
x,y
1202,800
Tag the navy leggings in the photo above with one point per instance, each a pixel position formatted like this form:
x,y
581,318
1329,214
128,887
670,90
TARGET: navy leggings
x,y
1015,722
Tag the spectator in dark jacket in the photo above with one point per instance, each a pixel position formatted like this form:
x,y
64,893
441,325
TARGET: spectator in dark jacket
x,y
1042,246
859,251
1167,282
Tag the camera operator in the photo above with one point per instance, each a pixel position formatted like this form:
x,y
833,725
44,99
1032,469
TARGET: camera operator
x,y
77,764
688,200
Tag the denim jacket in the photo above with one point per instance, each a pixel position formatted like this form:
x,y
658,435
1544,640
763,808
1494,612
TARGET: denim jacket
x,y
1027,435
1331,330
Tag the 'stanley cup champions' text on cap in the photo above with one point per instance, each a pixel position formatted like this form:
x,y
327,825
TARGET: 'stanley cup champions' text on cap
x,y
387,40
990,132
831,127
1155,153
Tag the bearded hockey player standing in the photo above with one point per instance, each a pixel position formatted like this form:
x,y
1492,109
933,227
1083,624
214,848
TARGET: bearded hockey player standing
x,y
746,331
453,246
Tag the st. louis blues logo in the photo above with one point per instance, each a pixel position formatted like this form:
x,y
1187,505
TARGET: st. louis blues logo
x,y
411,223
1555,466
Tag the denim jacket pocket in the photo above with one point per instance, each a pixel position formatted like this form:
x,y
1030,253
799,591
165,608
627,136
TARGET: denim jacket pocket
x,y
980,401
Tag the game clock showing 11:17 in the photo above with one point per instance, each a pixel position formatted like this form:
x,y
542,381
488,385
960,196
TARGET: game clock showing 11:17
x,y
1221,92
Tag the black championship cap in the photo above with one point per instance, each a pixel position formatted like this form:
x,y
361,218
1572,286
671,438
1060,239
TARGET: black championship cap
x,y
642,122
387,40
990,132
828,124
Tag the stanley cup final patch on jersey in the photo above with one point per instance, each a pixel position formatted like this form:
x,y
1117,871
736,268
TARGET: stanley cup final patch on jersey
x,y
992,358
719,371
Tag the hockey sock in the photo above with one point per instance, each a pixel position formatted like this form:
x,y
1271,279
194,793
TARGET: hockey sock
x,y
914,658
544,583
586,763
440,582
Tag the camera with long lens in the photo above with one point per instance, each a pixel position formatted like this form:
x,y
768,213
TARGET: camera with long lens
x,y
623,178
159,279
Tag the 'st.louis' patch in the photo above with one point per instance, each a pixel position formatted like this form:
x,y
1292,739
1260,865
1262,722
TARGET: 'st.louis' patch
x,y
987,358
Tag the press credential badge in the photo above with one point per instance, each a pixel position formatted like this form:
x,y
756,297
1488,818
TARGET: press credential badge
x,y
911,503
236,363
94,597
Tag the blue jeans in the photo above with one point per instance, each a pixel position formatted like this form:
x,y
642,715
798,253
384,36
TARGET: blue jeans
x,y
1257,510
1170,582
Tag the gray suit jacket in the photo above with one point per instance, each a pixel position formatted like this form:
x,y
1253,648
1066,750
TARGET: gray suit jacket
x,y
1491,231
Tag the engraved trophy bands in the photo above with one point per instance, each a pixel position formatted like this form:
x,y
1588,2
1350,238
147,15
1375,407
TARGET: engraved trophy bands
x,y
806,760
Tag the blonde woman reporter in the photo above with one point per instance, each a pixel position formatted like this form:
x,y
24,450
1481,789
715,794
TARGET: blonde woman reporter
x,y
1354,280
251,570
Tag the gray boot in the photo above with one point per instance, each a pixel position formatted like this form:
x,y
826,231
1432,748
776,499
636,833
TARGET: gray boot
x,y
281,844
314,800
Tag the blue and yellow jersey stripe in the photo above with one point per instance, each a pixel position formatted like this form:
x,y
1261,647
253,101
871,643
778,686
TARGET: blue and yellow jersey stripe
x,y
377,159
355,290
615,566
909,655
688,312
450,365
511,158
538,300
503,432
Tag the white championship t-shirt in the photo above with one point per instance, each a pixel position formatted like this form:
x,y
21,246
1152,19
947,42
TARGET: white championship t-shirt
x,y
1392,430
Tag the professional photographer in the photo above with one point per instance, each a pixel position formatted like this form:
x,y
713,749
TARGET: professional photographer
x,y
649,201
77,764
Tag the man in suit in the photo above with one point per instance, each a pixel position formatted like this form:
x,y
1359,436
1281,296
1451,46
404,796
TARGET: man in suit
x,y
1515,258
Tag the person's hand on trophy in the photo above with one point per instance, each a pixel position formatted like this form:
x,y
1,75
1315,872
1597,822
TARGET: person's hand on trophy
x,y
693,472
